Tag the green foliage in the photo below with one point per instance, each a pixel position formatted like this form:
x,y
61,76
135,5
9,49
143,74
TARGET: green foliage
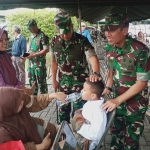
x,y
75,23
43,17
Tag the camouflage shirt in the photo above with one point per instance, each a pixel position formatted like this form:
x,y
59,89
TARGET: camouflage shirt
x,y
129,64
38,42
71,57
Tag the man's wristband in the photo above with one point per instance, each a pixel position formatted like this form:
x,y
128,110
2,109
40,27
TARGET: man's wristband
x,y
108,88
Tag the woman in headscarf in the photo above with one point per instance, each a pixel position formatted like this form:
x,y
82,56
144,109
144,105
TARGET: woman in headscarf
x,y
16,122
7,70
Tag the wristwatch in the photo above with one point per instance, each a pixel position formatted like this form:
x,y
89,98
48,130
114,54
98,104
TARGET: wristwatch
x,y
108,88
97,73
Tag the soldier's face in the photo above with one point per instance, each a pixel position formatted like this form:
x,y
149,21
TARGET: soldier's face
x,y
67,36
116,37
33,29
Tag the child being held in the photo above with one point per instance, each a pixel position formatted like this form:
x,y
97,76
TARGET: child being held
x,y
90,122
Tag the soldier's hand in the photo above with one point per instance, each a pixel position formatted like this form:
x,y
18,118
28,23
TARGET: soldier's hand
x,y
106,91
22,60
32,55
94,78
55,85
110,105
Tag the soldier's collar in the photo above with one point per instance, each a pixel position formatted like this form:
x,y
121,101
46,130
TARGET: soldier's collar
x,y
125,49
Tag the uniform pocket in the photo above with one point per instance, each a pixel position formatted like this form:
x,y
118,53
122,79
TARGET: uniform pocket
x,y
75,53
128,67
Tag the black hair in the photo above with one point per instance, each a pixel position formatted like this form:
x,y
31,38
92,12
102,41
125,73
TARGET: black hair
x,y
124,25
96,87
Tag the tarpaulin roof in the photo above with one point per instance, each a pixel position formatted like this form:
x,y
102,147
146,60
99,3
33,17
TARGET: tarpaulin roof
x,y
91,10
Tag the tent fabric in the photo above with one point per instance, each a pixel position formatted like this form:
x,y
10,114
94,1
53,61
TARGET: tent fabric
x,y
91,10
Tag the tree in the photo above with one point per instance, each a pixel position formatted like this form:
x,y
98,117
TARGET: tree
x,y
43,17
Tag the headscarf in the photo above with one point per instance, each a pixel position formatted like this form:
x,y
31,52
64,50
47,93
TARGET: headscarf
x,y
13,125
7,69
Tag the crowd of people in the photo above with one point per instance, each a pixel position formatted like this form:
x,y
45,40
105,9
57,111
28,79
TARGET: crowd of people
x,y
128,75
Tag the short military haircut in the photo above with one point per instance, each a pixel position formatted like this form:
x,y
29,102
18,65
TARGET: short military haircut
x,y
96,87
16,28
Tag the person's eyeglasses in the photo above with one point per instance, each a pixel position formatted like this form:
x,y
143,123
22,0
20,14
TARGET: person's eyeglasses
x,y
82,26
6,40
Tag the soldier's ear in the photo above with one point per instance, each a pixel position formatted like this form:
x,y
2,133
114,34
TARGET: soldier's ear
x,y
125,31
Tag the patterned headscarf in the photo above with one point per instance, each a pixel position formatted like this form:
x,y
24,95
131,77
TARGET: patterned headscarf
x,y
7,69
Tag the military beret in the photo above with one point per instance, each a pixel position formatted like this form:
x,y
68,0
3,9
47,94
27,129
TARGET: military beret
x,y
63,23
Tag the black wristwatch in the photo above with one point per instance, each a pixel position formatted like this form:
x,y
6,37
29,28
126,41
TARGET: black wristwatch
x,y
97,73
108,88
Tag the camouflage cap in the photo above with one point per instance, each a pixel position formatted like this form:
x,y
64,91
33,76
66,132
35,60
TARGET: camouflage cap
x,y
114,21
31,23
63,22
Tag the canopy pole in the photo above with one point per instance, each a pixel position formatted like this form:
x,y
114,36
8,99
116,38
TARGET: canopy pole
x,y
79,13
126,10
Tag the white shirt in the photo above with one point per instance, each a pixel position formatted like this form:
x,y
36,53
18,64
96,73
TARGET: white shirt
x,y
17,37
93,113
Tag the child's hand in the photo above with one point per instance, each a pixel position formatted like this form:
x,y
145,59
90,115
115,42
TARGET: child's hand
x,y
46,142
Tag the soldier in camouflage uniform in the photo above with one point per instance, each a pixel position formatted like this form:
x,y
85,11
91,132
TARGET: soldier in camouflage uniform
x,y
69,54
38,47
129,72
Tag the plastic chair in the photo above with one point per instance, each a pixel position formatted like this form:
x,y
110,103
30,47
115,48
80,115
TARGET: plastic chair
x,y
70,141
110,117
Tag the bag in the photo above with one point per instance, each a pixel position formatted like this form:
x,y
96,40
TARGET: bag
x,y
12,145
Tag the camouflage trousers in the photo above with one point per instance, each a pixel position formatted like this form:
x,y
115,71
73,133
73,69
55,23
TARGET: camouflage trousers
x,y
65,110
76,122
38,75
128,125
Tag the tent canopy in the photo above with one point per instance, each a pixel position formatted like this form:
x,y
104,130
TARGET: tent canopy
x,y
91,10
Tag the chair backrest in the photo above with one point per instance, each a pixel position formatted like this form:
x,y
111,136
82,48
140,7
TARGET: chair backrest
x,y
70,141
110,117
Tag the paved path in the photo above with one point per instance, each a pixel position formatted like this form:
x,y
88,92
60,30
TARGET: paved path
x,y
49,114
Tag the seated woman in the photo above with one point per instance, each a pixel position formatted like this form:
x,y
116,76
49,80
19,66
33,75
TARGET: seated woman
x,y
16,122
7,70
